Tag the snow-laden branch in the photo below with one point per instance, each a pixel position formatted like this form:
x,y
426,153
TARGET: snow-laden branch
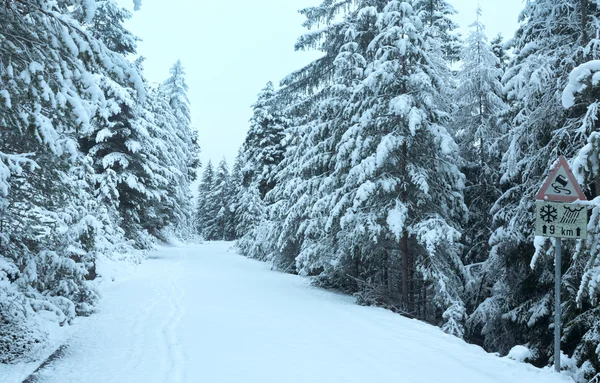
x,y
579,79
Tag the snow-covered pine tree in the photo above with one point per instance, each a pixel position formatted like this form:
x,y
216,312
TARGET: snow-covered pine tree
x,y
305,160
237,191
250,214
218,223
554,37
126,155
478,103
107,25
202,206
439,25
402,194
124,151
161,213
263,149
185,143
314,185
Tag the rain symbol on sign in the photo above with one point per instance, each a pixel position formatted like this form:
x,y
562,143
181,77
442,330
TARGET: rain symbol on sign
x,y
560,185
571,215
548,213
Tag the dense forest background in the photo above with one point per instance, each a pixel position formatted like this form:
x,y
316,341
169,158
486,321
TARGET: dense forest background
x,y
402,167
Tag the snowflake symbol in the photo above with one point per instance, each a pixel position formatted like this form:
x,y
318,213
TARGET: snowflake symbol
x,y
548,213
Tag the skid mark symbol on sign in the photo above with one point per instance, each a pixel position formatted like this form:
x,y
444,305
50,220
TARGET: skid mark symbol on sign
x,y
560,185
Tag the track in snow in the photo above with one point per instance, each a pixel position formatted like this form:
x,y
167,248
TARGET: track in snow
x,y
204,314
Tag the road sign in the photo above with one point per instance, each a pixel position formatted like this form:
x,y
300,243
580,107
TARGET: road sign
x,y
556,217
563,220
561,185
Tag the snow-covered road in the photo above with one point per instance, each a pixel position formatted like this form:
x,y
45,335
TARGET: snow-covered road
x,y
204,314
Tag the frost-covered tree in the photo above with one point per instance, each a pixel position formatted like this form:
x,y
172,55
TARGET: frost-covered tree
x,y
402,188
218,224
185,143
250,214
126,157
203,208
263,148
478,104
237,191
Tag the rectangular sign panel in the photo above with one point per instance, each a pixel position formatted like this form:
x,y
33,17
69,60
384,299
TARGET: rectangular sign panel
x,y
559,219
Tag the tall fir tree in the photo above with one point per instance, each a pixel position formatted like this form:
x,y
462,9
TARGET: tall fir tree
x,y
203,207
219,223
479,103
402,189
263,147
185,142
237,191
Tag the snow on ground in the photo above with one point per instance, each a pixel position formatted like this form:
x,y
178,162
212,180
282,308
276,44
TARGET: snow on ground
x,y
204,314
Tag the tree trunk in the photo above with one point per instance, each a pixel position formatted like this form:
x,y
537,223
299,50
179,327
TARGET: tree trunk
x,y
404,245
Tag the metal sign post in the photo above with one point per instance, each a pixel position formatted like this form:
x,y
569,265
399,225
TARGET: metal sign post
x,y
557,307
557,216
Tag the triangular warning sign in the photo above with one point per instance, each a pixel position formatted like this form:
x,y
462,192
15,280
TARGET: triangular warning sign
x,y
561,186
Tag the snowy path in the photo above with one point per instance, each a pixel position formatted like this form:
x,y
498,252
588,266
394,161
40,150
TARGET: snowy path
x,y
203,314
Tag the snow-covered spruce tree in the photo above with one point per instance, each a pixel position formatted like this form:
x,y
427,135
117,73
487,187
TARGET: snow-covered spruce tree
x,y
250,214
316,182
237,191
305,156
478,103
202,206
263,149
123,150
402,189
185,142
554,37
51,226
160,213
219,224
438,25
259,156
126,155
106,25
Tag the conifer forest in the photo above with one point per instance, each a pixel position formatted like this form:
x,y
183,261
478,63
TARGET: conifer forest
x,y
401,167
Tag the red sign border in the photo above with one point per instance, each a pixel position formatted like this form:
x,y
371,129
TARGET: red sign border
x,y
541,195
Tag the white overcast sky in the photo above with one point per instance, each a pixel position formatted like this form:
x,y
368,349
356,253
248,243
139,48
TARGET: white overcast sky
x,y
231,48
